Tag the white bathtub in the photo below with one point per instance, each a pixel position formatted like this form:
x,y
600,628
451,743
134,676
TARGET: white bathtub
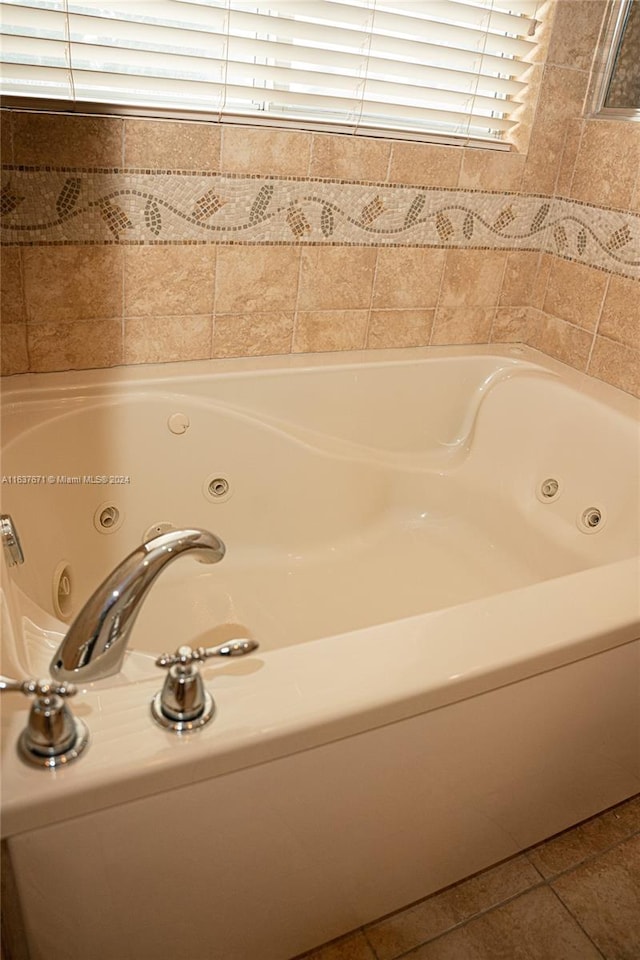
x,y
448,662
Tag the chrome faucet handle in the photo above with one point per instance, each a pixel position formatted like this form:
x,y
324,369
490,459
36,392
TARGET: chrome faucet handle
x,y
184,704
41,688
53,736
184,655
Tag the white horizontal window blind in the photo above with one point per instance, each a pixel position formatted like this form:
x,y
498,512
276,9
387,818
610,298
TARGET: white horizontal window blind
x,y
404,67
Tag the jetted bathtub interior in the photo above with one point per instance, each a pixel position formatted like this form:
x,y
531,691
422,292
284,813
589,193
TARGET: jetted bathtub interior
x,y
347,495
437,552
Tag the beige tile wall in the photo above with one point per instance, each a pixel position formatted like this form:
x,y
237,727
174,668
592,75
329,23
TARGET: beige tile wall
x,y
89,306
575,313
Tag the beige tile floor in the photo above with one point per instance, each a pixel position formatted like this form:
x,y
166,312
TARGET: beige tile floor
x,y
574,897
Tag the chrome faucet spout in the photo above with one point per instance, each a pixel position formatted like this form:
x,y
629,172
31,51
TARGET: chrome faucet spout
x,y
96,641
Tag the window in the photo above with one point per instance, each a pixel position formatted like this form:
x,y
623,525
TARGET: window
x,y
616,84
410,68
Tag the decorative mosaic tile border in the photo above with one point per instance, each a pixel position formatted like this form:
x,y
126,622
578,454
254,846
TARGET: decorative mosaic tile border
x,y
65,206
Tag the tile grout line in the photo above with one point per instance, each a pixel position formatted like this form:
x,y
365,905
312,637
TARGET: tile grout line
x,y
296,306
439,297
561,161
23,298
544,881
588,859
368,943
365,345
123,321
363,930
573,172
605,294
214,296
619,343
389,164
212,318
463,923
482,913
495,309
548,253
576,921
569,323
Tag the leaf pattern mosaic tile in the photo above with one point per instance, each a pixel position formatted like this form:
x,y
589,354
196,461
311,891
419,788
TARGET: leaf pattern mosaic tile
x,y
66,206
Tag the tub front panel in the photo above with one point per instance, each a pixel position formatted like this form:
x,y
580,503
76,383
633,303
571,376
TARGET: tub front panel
x,y
280,857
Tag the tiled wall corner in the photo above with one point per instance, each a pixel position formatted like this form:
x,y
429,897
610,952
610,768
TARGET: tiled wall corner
x,y
616,364
562,340
561,99
574,29
515,324
591,319
575,293
583,317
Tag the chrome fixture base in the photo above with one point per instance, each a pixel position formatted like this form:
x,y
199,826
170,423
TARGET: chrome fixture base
x,y
183,704
80,744
52,736
183,726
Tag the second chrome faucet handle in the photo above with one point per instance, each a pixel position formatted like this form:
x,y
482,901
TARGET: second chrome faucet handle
x,y
185,655
183,704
